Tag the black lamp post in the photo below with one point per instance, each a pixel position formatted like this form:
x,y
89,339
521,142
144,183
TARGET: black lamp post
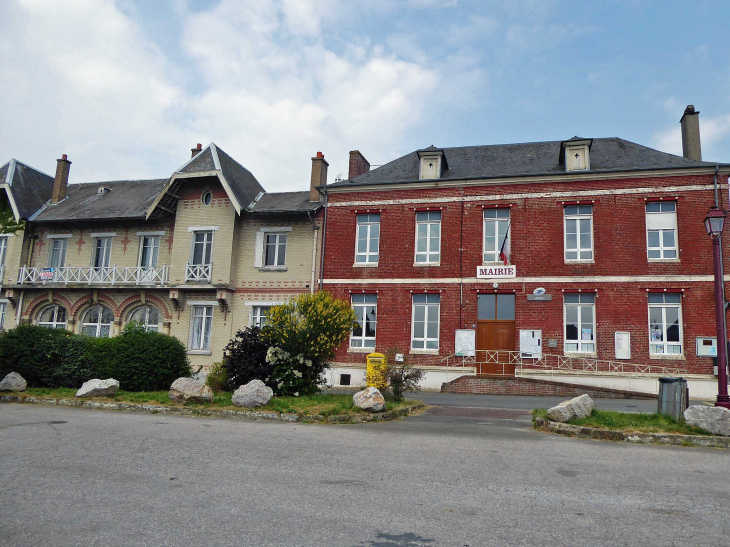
x,y
714,224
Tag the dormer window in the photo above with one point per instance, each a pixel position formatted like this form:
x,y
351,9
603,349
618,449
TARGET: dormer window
x,y
575,154
103,190
432,163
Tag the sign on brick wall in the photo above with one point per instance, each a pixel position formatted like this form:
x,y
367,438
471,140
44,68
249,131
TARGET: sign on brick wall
x,y
496,272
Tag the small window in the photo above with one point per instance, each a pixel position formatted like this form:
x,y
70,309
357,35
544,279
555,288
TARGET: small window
x,y
148,317
259,316
201,321
368,238
576,158
665,324
207,197
661,230
496,233
578,232
275,252
366,315
345,379
53,317
428,237
430,167
579,316
97,322
425,321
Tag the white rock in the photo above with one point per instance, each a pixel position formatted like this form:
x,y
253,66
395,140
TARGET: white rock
x,y
13,382
253,394
579,407
188,390
370,400
98,388
714,419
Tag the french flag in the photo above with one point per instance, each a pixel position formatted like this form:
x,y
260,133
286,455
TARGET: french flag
x,y
504,252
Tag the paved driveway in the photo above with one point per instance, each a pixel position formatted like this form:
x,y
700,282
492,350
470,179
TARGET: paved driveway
x,y
80,477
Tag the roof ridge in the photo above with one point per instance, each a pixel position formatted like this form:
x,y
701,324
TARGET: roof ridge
x,y
11,172
89,183
184,165
31,167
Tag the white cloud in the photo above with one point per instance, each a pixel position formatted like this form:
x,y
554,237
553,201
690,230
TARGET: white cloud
x,y
713,133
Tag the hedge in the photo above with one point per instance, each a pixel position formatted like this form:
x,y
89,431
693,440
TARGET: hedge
x,y
141,361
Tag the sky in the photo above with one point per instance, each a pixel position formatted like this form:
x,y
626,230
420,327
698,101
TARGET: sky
x,y
127,87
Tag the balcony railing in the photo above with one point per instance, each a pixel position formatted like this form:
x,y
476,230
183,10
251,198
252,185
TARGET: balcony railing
x,y
109,275
199,272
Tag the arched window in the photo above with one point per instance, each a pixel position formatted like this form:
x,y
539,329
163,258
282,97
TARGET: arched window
x,y
97,322
148,316
53,317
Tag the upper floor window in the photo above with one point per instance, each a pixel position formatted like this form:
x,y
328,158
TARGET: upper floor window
x,y
496,233
57,253
661,230
366,315
430,167
425,321
3,250
579,316
578,232
202,247
428,237
206,198
665,323
576,158
368,238
53,317
148,317
275,253
102,252
97,322
149,251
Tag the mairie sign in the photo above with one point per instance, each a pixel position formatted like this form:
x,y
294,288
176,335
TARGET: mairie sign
x,y
496,272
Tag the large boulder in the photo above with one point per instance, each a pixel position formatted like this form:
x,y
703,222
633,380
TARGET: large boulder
x,y
13,382
98,388
714,419
369,400
579,407
189,390
253,394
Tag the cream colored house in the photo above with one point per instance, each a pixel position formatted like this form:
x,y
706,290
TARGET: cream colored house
x,y
198,255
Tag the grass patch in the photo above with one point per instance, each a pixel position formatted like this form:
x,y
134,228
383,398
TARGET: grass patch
x,y
326,404
628,422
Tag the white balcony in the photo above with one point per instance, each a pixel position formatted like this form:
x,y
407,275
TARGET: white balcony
x,y
201,273
110,275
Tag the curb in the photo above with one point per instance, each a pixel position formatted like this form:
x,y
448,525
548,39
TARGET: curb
x,y
212,412
636,438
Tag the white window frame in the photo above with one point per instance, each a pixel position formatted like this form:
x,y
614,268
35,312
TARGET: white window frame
x,y
63,250
205,245
497,221
578,217
362,339
207,317
278,236
156,245
368,255
146,323
54,324
3,309
98,324
430,173
653,217
570,161
258,314
4,241
425,338
428,253
582,344
106,249
664,343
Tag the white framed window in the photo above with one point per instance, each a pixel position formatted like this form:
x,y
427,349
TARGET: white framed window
x,y
3,307
201,321
366,315
430,167
102,252
3,250
149,251
496,224
148,317
202,247
258,316
367,242
428,237
579,322
275,249
57,252
97,322
665,324
661,230
425,321
53,317
206,198
576,158
578,232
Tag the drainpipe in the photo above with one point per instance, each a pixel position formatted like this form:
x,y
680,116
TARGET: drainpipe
x,y
314,252
324,239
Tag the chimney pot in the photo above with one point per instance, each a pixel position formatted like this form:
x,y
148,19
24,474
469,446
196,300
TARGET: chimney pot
x,y
690,123
64,157
319,175
60,183
320,155
358,164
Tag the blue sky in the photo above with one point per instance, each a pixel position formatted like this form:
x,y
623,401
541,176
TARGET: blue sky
x,y
126,87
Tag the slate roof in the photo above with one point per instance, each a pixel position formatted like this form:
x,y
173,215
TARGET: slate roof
x,y
29,187
127,199
527,159
284,202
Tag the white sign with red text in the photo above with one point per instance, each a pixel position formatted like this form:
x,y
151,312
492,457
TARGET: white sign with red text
x,y
496,272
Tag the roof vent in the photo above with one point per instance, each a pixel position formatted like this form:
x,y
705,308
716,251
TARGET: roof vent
x,y
103,190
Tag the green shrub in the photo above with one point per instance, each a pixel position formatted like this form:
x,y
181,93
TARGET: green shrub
x,y
402,376
141,361
217,378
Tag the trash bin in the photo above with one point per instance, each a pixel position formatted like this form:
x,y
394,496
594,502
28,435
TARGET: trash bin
x,y
673,397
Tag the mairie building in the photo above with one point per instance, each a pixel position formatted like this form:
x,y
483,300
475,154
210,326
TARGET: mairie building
x,y
198,254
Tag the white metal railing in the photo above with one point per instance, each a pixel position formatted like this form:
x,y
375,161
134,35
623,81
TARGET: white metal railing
x,y
108,275
199,272
511,362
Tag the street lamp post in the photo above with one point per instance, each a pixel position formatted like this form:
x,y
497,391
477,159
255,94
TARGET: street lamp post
x,y
714,223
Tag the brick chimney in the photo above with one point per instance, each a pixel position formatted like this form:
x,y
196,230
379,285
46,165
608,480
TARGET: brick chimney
x,y
358,164
195,151
690,123
61,181
319,175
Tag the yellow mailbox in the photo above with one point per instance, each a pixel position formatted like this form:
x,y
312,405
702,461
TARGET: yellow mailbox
x,y
377,375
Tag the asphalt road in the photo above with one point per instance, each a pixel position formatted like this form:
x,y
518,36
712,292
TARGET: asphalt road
x,y
462,476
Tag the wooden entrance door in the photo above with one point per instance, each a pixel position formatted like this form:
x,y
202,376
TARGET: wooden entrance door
x,y
495,332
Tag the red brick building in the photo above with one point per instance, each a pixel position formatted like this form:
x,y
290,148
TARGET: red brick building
x,y
599,237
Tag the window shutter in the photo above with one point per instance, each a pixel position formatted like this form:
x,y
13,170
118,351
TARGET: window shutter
x,y
661,221
258,260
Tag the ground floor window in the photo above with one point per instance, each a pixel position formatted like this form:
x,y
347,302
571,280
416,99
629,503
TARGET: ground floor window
x,y
97,322
425,321
580,323
148,317
200,327
366,314
3,307
665,323
258,316
53,317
